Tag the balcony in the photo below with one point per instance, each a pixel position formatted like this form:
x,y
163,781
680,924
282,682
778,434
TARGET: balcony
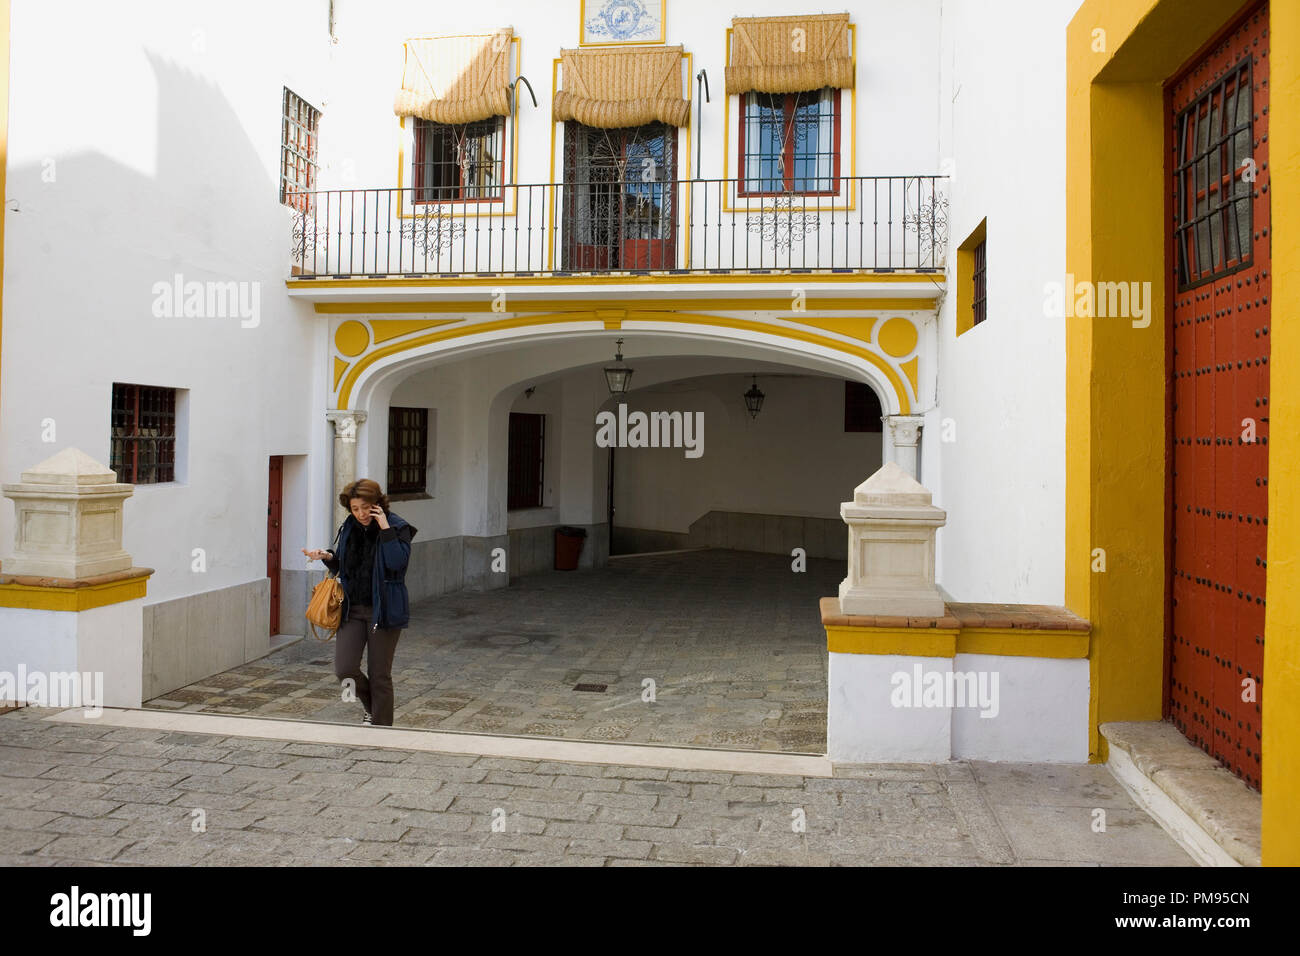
x,y
865,224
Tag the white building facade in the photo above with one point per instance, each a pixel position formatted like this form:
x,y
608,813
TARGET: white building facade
x,y
442,284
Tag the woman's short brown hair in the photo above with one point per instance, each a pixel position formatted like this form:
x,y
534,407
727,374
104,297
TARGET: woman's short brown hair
x,y
366,490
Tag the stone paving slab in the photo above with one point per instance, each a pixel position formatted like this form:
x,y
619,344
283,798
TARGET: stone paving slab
x,y
733,641
422,807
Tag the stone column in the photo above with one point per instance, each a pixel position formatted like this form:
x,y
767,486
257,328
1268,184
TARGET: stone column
x,y
905,433
71,604
346,425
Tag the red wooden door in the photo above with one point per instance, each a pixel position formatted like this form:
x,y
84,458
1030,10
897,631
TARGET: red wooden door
x,y
1219,282
276,486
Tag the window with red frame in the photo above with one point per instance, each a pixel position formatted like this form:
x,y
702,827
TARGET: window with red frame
x,y
299,163
461,163
142,446
790,143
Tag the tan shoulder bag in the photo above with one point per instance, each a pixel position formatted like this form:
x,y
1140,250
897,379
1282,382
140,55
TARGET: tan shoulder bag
x,y
325,609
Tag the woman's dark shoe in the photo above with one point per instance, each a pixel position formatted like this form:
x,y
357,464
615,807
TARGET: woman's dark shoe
x,y
367,720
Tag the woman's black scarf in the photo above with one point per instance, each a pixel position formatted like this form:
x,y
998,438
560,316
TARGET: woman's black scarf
x,y
359,561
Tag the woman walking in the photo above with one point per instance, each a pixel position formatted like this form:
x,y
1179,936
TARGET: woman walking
x,y
374,546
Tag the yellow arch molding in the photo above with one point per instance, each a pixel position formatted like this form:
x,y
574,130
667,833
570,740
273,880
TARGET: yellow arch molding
x,y
406,345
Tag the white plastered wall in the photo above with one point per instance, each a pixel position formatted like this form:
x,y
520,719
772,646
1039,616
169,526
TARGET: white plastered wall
x,y
1001,389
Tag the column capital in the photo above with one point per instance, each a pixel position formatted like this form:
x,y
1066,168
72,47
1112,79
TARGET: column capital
x,y
345,423
905,429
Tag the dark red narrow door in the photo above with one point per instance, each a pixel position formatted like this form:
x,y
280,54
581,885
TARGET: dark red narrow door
x,y
1219,282
273,538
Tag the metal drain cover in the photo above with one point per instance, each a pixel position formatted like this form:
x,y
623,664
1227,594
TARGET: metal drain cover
x,y
592,688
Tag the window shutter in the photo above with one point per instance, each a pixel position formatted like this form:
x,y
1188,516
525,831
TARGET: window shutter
x,y
769,55
610,89
456,79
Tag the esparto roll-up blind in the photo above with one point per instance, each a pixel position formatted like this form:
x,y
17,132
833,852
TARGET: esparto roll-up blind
x,y
790,54
609,89
456,79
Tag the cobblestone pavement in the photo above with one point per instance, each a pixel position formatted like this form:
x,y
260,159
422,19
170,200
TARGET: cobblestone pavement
x,y
75,793
733,641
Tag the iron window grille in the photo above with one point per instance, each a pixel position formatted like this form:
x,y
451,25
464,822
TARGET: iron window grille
x,y
790,143
1212,202
299,153
143,434
862,411
978,299
408,449
619,208
461,163
525,461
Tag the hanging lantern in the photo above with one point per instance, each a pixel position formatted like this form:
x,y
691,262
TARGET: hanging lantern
x,y
618,375
754,399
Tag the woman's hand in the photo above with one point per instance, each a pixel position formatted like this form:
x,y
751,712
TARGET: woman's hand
x,y
377,513
317,554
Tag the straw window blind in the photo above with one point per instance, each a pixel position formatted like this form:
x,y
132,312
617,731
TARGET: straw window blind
x,y
610,89
456,79
790,54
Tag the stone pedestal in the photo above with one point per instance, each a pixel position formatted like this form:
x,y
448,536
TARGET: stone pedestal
x,y
69,519
71,604
892,527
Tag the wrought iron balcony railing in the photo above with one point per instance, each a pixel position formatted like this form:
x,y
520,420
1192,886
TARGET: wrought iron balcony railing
x,y
861,224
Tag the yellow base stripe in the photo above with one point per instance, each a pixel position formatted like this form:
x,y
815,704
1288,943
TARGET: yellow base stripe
x,y
906,641
942,642
1023,642
37,598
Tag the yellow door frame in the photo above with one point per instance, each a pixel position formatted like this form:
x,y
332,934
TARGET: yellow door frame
x,y
1119,55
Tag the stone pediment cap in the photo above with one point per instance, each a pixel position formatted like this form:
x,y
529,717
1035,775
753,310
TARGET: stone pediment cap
x,y
72,466
891,485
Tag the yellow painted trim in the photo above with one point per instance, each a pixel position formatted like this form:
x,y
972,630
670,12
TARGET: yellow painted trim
x,y
476,306
511,186
340,367
385,329
663,28
965,278
550,232
948,642
4,144
1023,642
765,278
1115,229
898,337
907,641
37,598
684,222
910,368
1281,687
351,338
853,128
460,331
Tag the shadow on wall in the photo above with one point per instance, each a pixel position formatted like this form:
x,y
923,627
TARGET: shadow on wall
x,y
210,215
